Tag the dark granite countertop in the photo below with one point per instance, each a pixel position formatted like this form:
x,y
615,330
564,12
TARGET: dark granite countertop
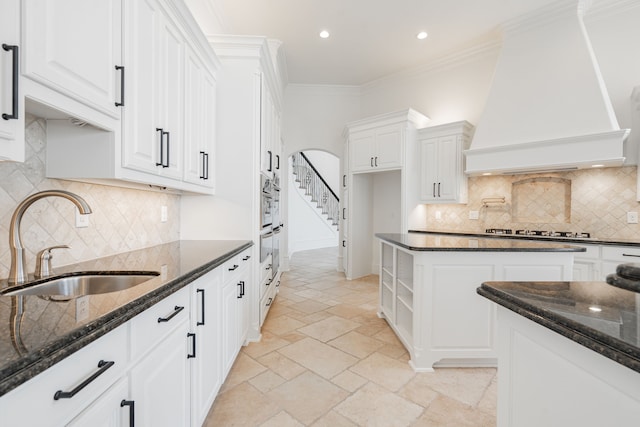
x,y
49,330
591,240
458,243
601,317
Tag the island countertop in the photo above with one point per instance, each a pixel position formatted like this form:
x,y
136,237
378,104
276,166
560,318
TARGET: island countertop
x,y
50,330
601,317
447,242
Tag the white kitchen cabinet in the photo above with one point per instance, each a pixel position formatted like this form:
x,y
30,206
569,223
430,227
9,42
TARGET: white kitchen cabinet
x,y
160,380
206,366
11,99
442,178
106,356
166,138
612,256
111,409
376,149
74,47
199,129
236,291
382,189
586,265
396,289
152,134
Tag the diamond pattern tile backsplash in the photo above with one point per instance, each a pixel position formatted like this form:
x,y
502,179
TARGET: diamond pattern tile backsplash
x,y
122,219
597,202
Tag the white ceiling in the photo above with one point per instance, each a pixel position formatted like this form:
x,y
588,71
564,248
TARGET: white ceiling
x,y
369,38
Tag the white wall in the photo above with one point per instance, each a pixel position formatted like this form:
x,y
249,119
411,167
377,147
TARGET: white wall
x,y
328,166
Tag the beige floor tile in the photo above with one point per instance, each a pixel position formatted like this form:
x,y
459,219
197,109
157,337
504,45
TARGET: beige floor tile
x,y
307,397
282,324
417,390
349,381
267,344
385,371
309,307
373,405
292,379
347,311
243,369
282,419
318,357
447,412
293,336
230,409
489,402
356,344
281,365
329,328
465,385
266,381
333,419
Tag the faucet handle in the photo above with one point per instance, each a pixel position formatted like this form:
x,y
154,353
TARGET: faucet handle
x,y
43,261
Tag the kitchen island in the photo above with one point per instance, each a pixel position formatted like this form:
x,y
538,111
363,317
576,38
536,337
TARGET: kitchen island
x,y
568,353
428,291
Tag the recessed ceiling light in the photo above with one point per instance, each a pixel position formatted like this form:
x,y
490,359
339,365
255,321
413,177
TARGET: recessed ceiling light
x,y
595,309
324,34
422,35
597,166
486,173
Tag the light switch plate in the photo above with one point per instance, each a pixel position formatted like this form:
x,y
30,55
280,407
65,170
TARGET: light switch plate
x,y
632,217
474,214
163,214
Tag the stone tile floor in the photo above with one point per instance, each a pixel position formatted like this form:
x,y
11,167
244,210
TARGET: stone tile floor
x,y
326,359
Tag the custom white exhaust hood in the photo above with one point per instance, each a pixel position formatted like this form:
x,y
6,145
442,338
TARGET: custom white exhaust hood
x,y
548,108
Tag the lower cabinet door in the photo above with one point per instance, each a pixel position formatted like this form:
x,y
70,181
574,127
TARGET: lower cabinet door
x,y
160,382
111,409
206,375
231,293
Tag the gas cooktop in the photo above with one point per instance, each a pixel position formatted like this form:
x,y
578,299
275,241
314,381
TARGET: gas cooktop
x,y
543,233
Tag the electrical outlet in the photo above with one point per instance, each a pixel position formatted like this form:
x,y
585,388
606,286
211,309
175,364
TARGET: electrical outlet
x,y
164,214
82,221
438,215
82,308
163,271
632,217
474,214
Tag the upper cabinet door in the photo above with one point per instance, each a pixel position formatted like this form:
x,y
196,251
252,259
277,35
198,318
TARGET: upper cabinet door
x,y
73,47
388,152
141,141
11,101
171,91
361,150
199,129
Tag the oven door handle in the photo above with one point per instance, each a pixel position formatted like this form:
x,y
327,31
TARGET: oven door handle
x,y
268,234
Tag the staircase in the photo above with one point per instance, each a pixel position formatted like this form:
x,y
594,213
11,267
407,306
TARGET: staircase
x,y
309,180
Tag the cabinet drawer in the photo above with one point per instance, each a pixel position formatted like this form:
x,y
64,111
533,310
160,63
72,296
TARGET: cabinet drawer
x,y
266,301
151,326
593,252
34,403
621,253
232,269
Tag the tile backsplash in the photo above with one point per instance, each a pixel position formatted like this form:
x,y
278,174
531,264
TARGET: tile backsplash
x,y
122,220
597,203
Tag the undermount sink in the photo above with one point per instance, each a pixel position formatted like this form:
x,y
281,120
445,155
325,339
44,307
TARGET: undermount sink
x,y
82,284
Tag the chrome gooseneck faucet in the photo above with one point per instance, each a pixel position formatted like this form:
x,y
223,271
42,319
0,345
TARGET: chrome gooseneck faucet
x,y
18,273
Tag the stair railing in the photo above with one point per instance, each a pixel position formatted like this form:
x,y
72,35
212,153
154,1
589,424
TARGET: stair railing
x,y
308,179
